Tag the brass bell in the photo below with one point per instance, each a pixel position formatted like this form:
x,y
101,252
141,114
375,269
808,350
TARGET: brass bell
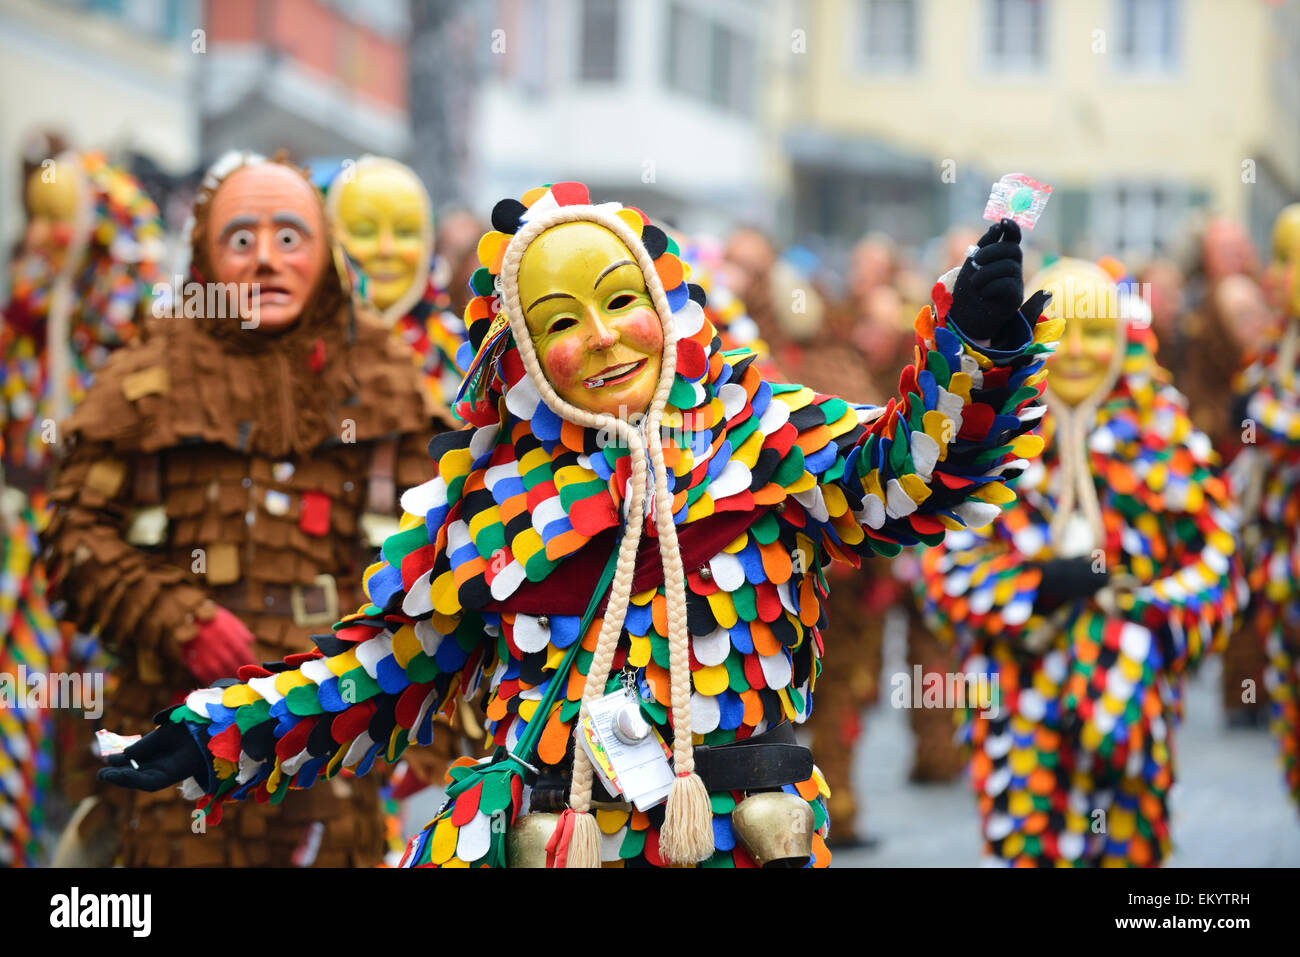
x,y
776,828
526,841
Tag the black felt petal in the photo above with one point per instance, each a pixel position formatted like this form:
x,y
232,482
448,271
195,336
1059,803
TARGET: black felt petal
x,y
655,240
505,215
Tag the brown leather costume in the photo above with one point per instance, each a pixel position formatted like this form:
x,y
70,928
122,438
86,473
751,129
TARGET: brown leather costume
x,y
213,462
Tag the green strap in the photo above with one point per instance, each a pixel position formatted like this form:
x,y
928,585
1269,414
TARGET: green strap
x,y
528,740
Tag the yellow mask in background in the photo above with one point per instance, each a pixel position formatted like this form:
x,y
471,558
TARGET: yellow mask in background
x,y
54,200
383,219
1286,258
1087,360
597,334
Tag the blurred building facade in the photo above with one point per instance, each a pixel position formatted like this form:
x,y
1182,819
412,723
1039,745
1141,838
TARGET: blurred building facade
x,y
899,114
318,77
115,75
654,102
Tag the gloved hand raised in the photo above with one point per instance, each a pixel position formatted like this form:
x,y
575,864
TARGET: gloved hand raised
x,y
990,285
222,645
164,757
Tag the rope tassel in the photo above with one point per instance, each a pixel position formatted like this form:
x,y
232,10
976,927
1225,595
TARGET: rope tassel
x,y
687,834
576,841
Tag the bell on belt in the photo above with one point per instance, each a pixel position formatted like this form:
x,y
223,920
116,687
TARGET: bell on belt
x,y
526,841
775,828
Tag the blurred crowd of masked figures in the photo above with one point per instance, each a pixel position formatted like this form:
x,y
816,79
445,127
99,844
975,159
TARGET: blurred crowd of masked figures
x,y
216,502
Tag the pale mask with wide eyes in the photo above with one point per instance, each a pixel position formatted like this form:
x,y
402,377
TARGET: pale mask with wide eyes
x,y
596,332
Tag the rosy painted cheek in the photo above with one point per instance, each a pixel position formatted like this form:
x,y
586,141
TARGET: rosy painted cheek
x,y
642,331
563,363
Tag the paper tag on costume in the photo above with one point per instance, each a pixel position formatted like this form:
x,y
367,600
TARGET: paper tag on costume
x,y
109,743
640,771
1019,198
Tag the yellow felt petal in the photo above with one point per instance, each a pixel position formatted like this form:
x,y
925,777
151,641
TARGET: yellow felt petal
x,y
237,695
711,681
443,842
1027,446
996,493
724,610
915,487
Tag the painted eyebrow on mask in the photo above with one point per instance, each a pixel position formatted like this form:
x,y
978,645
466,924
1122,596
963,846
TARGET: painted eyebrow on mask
x,y
549,295
286,218
239,222
609,269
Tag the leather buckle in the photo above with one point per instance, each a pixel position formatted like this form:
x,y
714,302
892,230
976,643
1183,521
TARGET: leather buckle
x,y
298,602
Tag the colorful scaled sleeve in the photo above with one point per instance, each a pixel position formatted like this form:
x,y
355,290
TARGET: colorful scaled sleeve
x,y
370,690
939,457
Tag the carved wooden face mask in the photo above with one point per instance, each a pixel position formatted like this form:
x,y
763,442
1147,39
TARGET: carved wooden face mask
x,y
1086,362
266,232
383,221
53,198
597,335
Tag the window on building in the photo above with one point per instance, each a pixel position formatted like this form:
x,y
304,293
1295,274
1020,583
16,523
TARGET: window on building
x,y
1016,35
888,41
1138,220
1148,35
598,55
710,60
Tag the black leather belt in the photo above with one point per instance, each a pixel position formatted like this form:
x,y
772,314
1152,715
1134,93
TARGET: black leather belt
x,y
763,762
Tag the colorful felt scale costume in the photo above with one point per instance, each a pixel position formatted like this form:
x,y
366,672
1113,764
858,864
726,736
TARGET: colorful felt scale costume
x,y
1071,748
80,287
716,609
382,219
1270,462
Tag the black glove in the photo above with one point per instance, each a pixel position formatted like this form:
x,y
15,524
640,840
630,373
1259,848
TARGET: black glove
x,y
991,283
1066,579
164,757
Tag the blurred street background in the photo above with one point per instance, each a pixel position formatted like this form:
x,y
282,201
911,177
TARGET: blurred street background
x,y
857,138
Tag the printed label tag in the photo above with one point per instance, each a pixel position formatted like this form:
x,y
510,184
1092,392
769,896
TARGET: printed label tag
x,y
639,771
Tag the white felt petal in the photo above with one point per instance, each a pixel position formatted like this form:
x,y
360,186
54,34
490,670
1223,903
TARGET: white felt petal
x,y
925,453
899,503
1135,642
611,844
551,509
507,580
733,399
713,648
483,441
1032,705
418,500
997,782
530,636
977,514
814,502
499,473
429,637
728,573
247,768
522,399
689,319
294,764
419,600
735,477
774,416
316,670
474,838
357,750
783,592
705,713
873,510
191,790
265,686
457,536
373,651
198,701
776,669
429,701
1017,612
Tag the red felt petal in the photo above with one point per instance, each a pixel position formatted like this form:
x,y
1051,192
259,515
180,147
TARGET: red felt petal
x,y
976,420
926,524
226,744
953,481
571,194
691,360
593,515
466,806
408,704
352,722
295,740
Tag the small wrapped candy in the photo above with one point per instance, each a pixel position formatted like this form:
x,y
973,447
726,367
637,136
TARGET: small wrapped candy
x,y
1019,198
